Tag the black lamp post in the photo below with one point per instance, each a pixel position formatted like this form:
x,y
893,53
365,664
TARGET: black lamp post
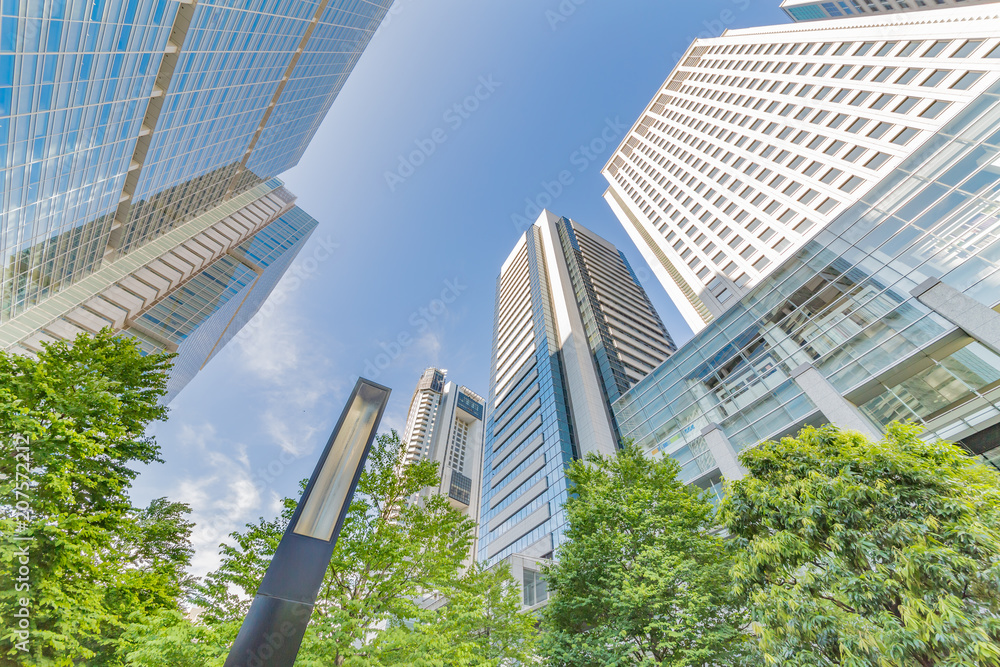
x,y
273,629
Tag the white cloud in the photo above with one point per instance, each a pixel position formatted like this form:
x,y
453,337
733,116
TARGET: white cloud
x,y
290,372
427,348
270,350
286,382
222,494
294,438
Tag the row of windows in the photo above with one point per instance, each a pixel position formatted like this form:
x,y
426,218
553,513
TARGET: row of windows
x,y
78,74
822,10
715,122
898,76
458,445
868,49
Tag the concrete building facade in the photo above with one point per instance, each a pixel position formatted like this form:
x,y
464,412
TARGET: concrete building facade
x,y
761,137
445,425
813,10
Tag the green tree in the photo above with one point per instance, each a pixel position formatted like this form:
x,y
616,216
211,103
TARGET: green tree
x,y
480,626
81,409
168,638
152,550
641,579
225,594
859,553
391,552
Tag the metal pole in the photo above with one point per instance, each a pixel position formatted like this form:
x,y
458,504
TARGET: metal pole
x,y
273,629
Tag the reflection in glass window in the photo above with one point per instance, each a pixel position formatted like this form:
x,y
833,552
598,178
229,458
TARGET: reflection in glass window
x,y
535,589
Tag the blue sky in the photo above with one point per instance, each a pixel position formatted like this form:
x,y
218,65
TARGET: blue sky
x,y
447,134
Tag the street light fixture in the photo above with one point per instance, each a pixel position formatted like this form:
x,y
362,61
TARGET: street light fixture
x,y
273,629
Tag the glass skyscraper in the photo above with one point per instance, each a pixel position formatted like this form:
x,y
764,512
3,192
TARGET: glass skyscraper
x,y
813,10
123,121
573,330
890,313
209,310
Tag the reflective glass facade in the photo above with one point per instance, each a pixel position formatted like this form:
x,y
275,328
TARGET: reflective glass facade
x,y
120,119
574,329
75,78
843,303
212,307
806,10
531,416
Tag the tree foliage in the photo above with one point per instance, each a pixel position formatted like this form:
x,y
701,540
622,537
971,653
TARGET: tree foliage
x,y
641,580
861,553
168,638
478,627
83,408
108,581
391,554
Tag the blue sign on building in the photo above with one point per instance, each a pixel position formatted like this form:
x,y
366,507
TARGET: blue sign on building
x,y
470,405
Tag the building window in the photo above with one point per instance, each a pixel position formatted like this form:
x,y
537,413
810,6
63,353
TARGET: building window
x,y
461,488
935,49
535,590
966,49
934,110
967,80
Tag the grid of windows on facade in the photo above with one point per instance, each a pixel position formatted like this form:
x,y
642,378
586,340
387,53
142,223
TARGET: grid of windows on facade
x,y
272,242
175,317
527,434
222,138
460,436
811,11
181,312
120,119
74,78
844,304
270,251
749,146
535,589
420,424
461,488
621,325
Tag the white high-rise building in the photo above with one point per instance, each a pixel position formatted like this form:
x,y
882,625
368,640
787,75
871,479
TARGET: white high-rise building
x,y
814,10
761,137
445,424
573,331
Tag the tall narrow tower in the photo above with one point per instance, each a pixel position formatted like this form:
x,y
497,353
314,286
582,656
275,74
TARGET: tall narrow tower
x,y
573,330
445,424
